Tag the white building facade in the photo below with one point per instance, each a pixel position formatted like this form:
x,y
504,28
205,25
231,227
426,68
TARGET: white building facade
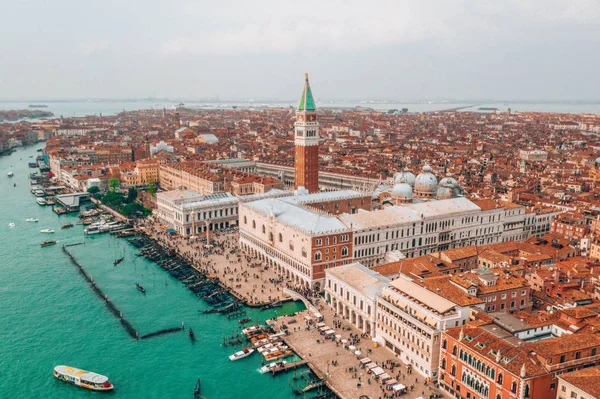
x,y
351,291
410,319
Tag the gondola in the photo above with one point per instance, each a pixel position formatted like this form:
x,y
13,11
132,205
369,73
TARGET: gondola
x,y
66,226
192,336
197,389
246,320
139,287
117,261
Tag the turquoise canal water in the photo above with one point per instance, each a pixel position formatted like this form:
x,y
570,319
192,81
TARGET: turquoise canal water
x,y
49,315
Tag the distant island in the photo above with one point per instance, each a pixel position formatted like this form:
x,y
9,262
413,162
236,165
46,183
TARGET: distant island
x,y
38,106
15,115
488,109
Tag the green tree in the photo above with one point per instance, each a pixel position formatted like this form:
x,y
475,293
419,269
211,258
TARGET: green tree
x,y
152,187
113,184
132,194
93,190
113,199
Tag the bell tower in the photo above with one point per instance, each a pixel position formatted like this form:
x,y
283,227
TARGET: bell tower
x,y
306,142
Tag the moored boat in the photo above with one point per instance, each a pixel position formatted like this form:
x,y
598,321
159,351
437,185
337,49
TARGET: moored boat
x,y
82,378
246,320
46,243
47,231
66,226
31,220
269,367
192,335
41,201
241,354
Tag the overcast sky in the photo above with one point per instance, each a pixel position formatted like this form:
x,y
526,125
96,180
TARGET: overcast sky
x,y
240,49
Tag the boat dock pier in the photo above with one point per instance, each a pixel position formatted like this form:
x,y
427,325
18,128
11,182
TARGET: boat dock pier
x,y
110,305
288,366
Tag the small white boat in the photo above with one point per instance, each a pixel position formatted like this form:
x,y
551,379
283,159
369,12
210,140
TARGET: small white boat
x,y
31,220
82,378
268,367
11,225
46,231
241,354
41,201
10,174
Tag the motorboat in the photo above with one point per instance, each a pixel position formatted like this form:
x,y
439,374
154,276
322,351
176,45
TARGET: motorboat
x,y
241,354
66,226
11,225
41,201
269,367
82,378
47,243
244,321
139,287
117,261
47,231
10,174
192,335
34,220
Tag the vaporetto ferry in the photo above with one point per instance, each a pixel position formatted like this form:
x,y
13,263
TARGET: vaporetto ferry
x,y
82,378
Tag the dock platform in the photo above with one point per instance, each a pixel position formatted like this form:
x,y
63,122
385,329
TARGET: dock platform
x,y
289,366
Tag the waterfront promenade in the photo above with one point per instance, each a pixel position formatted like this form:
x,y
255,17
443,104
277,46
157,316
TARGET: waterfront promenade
x,y
340,367
243,275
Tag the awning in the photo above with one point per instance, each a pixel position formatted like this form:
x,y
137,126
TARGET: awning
x,y
365,360
171,231
371,365
378,371
398,387
384,377
321,324
393,381
330,332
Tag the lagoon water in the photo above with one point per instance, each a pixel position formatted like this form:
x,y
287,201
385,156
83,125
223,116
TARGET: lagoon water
x,y
49,315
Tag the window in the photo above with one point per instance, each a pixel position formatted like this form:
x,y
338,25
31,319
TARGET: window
x,y
291,246
593,351
318,255
344,251
318,242
304,252
574,394
253,224
562,358
280,238
245,220
578,355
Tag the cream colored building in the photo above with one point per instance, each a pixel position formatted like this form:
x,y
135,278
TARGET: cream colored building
x,y
410,319
580,384
351,291
190,213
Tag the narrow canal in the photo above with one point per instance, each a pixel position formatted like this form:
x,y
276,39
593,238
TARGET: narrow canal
x,y
49,315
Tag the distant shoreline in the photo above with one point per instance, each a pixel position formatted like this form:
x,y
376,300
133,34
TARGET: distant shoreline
x,y
15,115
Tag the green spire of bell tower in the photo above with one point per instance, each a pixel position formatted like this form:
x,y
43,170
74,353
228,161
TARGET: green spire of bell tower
x,y
307,103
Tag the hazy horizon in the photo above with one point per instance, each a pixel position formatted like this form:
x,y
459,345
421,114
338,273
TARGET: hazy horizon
x,y
457,50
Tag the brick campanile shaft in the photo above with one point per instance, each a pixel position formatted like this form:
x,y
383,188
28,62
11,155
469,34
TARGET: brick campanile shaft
x,y
306,141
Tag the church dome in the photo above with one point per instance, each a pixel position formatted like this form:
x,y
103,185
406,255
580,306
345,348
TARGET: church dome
x,y
402,191
425,183
406,176
448,188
